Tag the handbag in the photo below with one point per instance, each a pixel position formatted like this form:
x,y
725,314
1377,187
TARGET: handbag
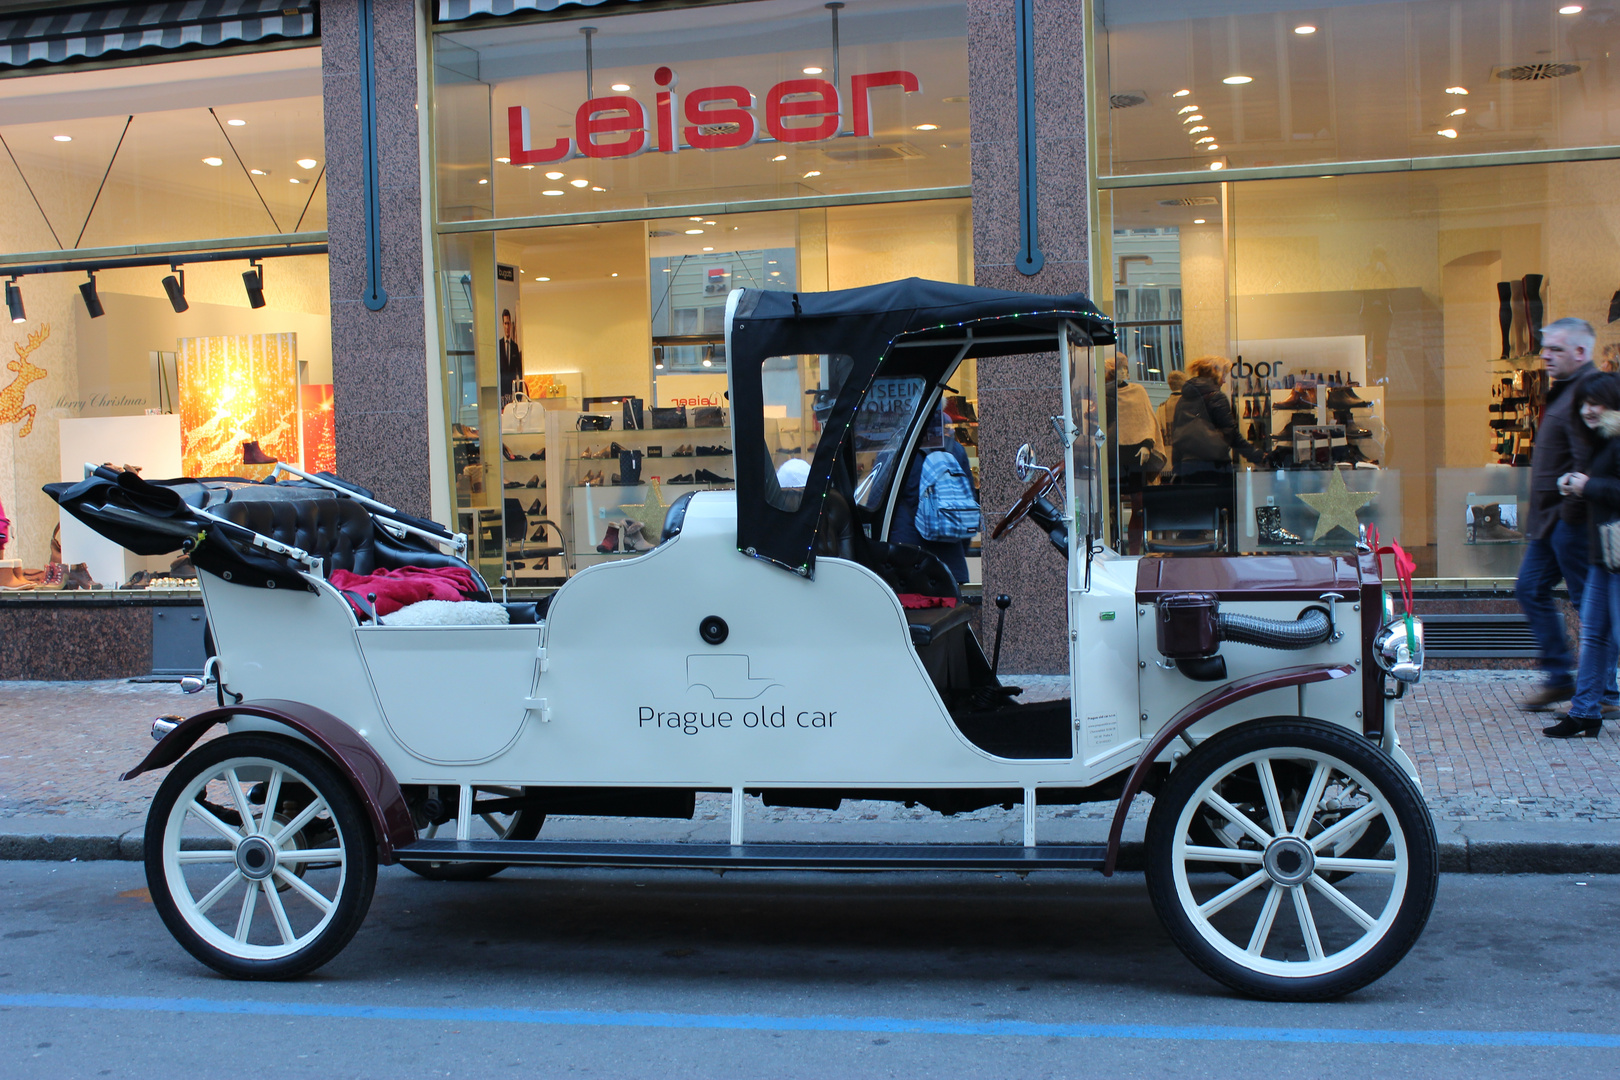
x,y
523,413
634,415
669,418
708,416
592,422
1609,544
629,466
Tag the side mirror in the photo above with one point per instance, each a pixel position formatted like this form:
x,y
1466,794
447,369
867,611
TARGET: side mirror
x,y
1024,463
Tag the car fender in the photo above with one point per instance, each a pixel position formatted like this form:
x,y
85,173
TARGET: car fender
x,y
370,776
1196,710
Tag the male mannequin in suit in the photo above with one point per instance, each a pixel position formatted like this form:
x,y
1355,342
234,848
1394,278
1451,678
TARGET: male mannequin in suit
x,y
511,368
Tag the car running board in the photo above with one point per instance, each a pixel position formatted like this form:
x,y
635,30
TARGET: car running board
x,y
760,856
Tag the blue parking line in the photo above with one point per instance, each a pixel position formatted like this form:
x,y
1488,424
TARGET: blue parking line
x,y
885,1025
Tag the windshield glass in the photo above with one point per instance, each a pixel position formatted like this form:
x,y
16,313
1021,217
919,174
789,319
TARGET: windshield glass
x,y
798,393
880,434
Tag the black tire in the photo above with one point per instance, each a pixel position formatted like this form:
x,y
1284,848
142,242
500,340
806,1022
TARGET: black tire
x,y
1323,949
300,776
524,825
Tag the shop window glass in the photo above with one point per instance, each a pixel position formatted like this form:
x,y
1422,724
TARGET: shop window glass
x,y
1348,81
798,392
701,104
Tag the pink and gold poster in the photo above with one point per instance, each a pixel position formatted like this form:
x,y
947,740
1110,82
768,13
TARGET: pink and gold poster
x,y
320,428
237,390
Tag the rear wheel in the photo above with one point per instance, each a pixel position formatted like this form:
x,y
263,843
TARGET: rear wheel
x,y
259,857
1285,930
492,821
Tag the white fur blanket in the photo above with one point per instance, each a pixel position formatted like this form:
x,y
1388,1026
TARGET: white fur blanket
x,y
447,613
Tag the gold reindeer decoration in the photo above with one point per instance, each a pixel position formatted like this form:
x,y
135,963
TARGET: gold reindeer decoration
x,y
12,408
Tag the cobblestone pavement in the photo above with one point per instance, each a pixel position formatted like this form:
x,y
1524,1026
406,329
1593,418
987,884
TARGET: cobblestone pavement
x,y
62,746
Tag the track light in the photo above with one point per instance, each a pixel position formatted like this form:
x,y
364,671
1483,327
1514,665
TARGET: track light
x,y
92,302
658,358
253,282
176,288
14,302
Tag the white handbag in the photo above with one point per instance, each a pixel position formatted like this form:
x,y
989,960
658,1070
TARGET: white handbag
x,y
523,414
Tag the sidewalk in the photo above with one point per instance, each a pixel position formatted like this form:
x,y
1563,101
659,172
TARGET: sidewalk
x,y
1505,799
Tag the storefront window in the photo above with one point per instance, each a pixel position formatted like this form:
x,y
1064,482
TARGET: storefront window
x,y
586,368
1250,86
174,366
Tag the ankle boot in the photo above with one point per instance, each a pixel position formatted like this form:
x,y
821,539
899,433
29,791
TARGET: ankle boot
x,y
1303,397
1268,523
1488,526
252,455
78,577
1504,316
11,575
610,542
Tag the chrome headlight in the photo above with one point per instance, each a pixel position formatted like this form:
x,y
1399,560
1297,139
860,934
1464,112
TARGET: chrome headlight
x,y
1398,648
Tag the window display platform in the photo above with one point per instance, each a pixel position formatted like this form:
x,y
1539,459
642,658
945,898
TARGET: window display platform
x,y
100,634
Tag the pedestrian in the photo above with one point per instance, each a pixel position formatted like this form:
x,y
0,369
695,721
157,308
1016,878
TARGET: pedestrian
x,y
1206,428
1165,414
1555,526
1598,405
903,527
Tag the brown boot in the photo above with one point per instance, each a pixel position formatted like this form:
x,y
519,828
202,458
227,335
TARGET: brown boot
x,y
252,455
78,577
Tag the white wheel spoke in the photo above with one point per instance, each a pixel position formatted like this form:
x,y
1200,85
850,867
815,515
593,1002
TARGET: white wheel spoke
x,y
272,795
1313,796
304,889
1247,856
279,913
305,816
244,809
303,855
1343,902
187,858
1268,916
1358,866
1236,892
214,894
1238,818
431,831
1307,925
496,827
1345,825
244,921
213,822
1268,788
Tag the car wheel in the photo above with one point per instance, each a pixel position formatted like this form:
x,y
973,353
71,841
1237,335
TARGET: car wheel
x,y
259,857
509,825
1285,931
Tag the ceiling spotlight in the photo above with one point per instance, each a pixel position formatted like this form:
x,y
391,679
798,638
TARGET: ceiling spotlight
x,y
1216,166
694,232
708,223
294,180
14,302
527,168
779,157
1193,119
1460,90
62,138
658,355
1185,109
708,249
776,273
553,191
1570,9
1198,221
1457,112
1237,80
927,127
812,172
214,161
307,163
1304,28
595,188
504,160
554,176
1181,93
817,71
92,302
1213,146
621,88
237,123
1205,139
1447,133
698,218
579,183
175,286
1196,128
614,274
542,279
253,282
484,180
258,172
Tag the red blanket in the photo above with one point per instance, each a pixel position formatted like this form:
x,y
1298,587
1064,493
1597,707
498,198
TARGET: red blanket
x,y
917,600
398,588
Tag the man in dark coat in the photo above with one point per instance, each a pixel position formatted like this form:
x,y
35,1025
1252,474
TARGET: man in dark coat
x,y
511,358
1555,526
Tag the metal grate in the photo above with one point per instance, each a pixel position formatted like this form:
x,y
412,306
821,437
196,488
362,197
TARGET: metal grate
x,y
1471,636
1539,72
1195,200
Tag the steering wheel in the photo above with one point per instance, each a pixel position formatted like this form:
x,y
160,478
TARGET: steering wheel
x,y
1042,487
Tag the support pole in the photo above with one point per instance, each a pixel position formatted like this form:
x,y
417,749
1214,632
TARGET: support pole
x,y
737,807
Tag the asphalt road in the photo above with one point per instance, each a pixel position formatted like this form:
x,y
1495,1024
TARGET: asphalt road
x,y
597,973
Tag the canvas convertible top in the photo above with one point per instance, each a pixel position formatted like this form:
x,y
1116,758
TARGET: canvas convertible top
x,y
941,323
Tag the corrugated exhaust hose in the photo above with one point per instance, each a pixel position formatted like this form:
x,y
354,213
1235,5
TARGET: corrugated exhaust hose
x,y
1311,628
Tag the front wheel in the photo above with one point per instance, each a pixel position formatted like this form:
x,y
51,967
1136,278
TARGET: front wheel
x,y
259,857
1285,931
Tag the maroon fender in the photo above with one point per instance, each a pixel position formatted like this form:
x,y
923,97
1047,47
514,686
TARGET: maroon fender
x,y
354,757
1217,699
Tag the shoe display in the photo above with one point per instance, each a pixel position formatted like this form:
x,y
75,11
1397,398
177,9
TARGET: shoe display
x,y
182,568
1547,696
506,452
1533,310
1353,432
1268,522
534,482
712,451
610,542
54,575
56,544
540,456
535,508
1489,529
960,409
251,454
11,575
682,451
1343,398
634,537
704,476
680,478
510,484
78,577
1504,316
965,436
1574,727
1303,397
137,580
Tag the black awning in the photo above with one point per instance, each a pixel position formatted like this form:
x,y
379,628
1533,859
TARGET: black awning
x,y
63,33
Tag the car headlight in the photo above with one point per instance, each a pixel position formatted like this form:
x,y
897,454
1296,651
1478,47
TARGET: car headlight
x,y
1399,648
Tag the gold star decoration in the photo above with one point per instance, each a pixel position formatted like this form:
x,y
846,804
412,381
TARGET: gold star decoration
x,y
651,513
1336,507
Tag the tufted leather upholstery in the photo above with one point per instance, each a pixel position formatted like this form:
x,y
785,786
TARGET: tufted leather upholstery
x,y
909,569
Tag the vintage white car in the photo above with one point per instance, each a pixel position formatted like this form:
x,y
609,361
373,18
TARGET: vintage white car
x,y
1288,853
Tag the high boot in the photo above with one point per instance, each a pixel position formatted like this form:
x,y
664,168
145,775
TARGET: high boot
x,y
1534,309
1504,316
1520,340
56,545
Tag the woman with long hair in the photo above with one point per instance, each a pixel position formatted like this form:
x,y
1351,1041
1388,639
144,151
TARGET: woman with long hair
x,y
1599,409
1206,428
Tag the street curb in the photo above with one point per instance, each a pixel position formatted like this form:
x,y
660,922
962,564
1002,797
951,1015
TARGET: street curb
x,y
1458,855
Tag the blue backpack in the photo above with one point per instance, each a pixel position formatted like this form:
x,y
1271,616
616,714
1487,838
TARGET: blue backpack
x,y
946,508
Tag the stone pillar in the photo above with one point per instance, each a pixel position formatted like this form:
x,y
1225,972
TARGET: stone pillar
x,y
1017,394
379,358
